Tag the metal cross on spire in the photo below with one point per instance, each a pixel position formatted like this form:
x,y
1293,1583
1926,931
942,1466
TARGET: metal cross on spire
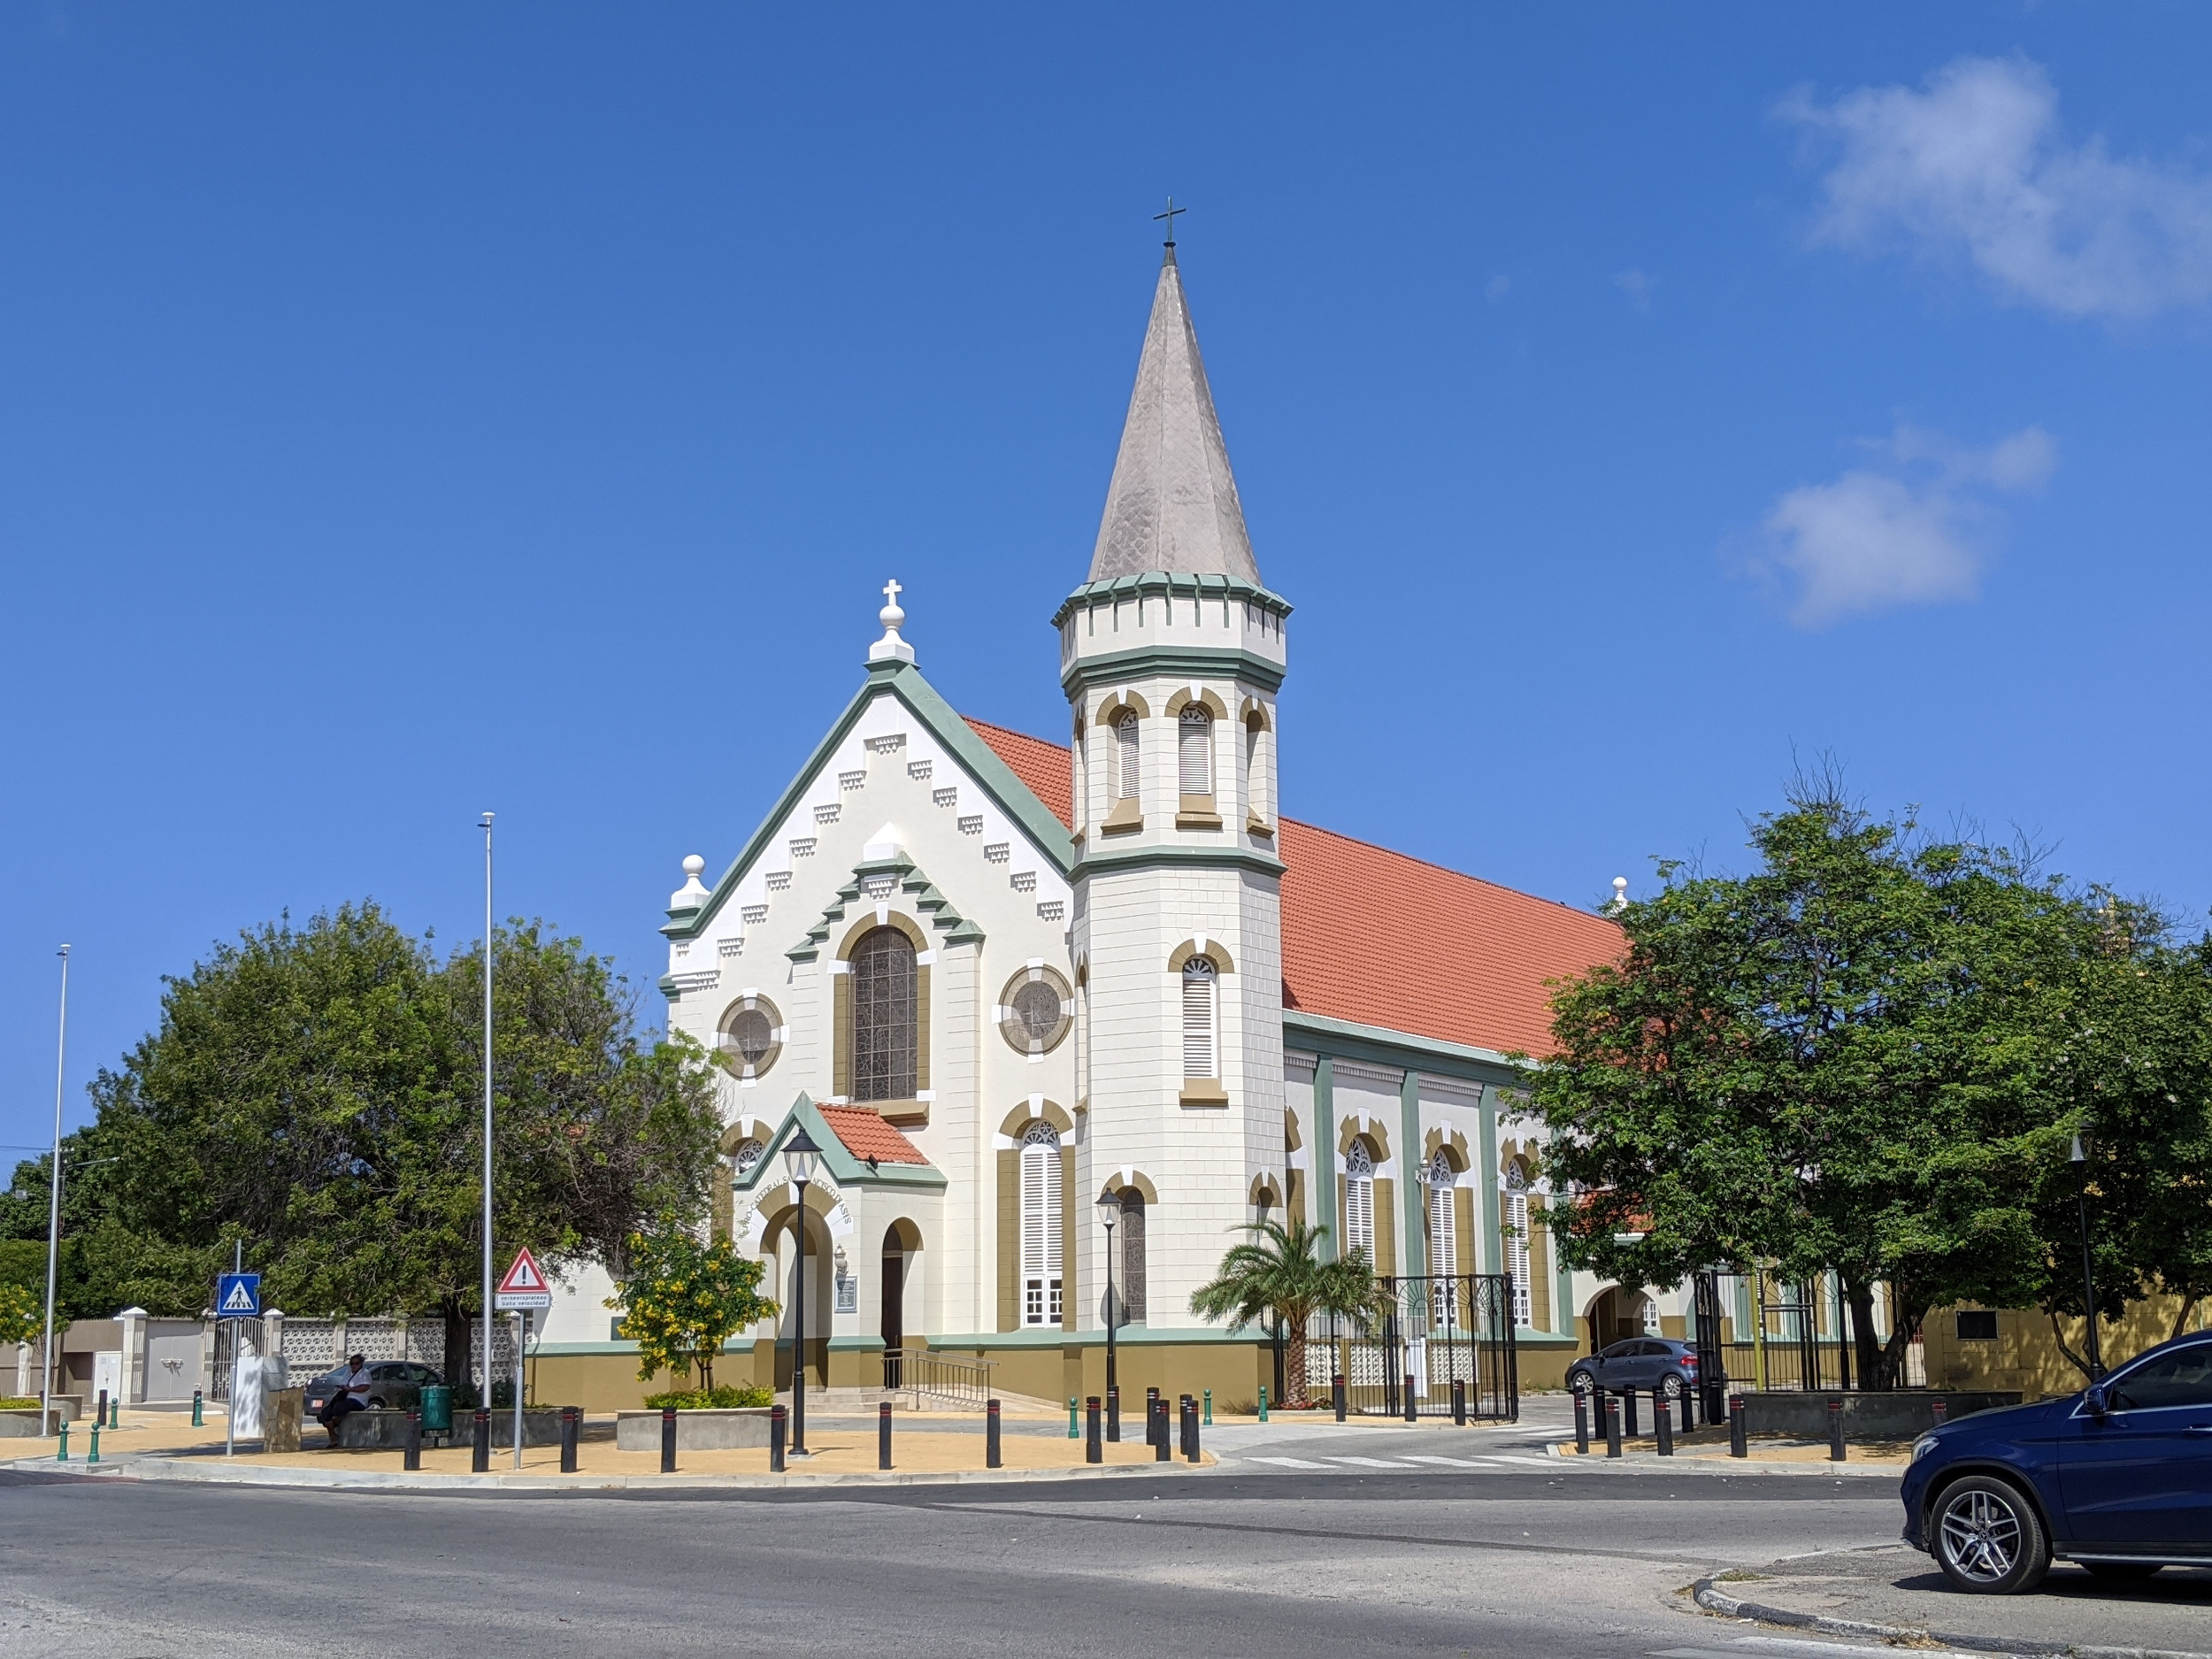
x,y
1169,216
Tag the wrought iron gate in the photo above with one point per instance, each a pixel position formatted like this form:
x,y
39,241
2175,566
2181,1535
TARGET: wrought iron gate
x,y
1434,1329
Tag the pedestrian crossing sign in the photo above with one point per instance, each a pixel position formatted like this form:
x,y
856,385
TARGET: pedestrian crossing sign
x,y
238,1296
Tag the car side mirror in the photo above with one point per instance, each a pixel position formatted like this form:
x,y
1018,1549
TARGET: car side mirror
x,y
2094,1401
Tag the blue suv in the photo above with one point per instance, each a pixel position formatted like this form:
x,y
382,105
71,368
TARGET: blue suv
x,y
2117,1478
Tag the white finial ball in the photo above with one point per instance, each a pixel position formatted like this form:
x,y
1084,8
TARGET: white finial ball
x,y
693,865
1620,893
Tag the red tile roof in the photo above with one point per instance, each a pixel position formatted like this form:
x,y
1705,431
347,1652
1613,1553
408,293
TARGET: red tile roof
x,y
1380,939
866,1135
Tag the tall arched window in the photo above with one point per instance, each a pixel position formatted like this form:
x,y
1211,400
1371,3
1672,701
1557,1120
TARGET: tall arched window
x,y
1041,1224
883,1003
1256,769
1201,1010
1516,1239
1359,1201
1131,1233
1194,750
1125,756
1443,1226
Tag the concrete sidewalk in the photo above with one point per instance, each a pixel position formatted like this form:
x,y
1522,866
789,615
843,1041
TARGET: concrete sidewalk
x,y
1896,1595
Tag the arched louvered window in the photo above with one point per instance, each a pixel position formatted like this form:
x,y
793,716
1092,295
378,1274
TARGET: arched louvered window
x,y
1130,1290
1200,1016
1255,771
749,1153
1359,1201
1443,1225
1194,750
884,1013
1041,1224
1516,1239
1125,756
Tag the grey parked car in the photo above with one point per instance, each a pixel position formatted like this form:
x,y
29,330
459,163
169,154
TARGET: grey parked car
x,y
1642,1362
396,1383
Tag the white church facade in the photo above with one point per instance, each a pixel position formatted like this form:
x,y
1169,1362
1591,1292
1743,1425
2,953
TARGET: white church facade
x,y
1000,979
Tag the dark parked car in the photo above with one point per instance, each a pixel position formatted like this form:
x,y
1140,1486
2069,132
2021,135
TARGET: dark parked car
x,y
1642,1362
2117,1478
396,1383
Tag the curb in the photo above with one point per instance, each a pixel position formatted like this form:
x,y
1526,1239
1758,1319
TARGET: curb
x,y
158,1468
1717,1601
1726,1465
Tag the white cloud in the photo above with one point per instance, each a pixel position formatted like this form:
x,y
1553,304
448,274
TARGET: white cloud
x,y
1912,529
1500,286
1637,285
1973,165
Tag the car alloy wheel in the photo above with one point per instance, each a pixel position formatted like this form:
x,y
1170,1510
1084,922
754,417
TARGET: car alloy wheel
x,y
1583,1384
1675,1386
1988,1540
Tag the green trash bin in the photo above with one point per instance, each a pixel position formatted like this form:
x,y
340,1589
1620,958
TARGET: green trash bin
x,y
437,1409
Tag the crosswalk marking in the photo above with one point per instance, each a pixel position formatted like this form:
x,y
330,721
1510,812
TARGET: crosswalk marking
x,y
1369,1463
1541,1462
1287,1463
1456,1462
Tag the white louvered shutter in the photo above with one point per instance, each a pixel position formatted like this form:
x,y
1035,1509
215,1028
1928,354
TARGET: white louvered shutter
x,y
1517,1249
1126,756
1040,1225
1359,1201
1194,750
1198,1018
1443,1240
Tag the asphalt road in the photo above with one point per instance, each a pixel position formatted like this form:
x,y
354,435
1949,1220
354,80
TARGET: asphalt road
x,y
1257,1560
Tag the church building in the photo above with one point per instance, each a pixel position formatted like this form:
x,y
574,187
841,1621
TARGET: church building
x,y
1016,988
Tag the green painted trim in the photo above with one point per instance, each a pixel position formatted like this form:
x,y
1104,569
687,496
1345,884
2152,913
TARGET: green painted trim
x,y
993,775
1377,1045
1167,582
845,1168
1528,1337
1321,1166
1564,1318
936,908
1493,1245
1417,1228
855,1344
1144,858
1203,661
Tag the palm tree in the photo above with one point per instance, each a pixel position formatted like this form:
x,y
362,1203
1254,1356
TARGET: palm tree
x,y
1278,1274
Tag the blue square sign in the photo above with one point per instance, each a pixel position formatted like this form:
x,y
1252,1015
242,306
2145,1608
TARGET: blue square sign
x,y
238,1296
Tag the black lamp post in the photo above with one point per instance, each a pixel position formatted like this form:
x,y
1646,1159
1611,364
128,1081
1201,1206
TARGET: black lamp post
x,y
799,1153
2088,1278
1109,1212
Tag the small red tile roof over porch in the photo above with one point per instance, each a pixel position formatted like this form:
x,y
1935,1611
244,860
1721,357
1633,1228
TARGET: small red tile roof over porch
x,y
1380,939
866,1135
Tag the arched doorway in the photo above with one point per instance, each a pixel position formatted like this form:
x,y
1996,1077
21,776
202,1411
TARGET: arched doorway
x,y
902,1240
785,1278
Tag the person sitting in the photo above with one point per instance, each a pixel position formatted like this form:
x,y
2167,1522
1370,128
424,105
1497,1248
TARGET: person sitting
x,y
352,1396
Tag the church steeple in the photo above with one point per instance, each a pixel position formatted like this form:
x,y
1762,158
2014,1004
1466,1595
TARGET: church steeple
x,y
1173,505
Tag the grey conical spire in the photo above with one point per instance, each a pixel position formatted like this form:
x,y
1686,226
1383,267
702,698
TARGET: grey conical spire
x,y
1173,505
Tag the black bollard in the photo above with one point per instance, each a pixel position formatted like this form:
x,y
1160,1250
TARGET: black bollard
x,y
411,1458
1151,1415
481,1451
1835,1431
1582,1422
1663,1423
1190,1430
1160,1451
1113,1413
778,1426
1941,1409
1412,1414
668,1440
1628,1413
1336,1393
100,1416
572,1422
883,1432
1093,1452
1459,1401
1612,1426
1738,1441
991,1456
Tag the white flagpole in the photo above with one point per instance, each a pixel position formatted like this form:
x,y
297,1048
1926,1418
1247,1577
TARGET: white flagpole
x,y
53,1210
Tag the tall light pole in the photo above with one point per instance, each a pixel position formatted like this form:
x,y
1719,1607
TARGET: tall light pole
x,y
53,1210
1108,1213
485,1399
799,1153
2089,1277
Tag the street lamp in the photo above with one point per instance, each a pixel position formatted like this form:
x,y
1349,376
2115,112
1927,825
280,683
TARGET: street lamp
x,y
799,1153
2088,1278
1108,1213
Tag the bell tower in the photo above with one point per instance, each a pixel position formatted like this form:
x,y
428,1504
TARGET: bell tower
x,y
1171,654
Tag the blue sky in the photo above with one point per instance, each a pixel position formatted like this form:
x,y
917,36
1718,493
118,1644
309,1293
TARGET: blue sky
x,y
413,412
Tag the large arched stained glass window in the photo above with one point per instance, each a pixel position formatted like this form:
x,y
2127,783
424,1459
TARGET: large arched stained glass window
x,y
884,1008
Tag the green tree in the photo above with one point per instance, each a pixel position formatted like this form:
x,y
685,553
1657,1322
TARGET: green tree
x,y
314,1094
22,1314
1868,1055
684,1298
1279,1273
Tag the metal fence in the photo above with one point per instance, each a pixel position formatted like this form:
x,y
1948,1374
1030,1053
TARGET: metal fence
x,y
1755,1333
1434,1330
940,1378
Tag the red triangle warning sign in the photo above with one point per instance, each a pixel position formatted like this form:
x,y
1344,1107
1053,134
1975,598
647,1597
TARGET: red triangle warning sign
x,y
523,1276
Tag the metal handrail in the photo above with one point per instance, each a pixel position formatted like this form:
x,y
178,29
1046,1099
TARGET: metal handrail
x,y
945,1377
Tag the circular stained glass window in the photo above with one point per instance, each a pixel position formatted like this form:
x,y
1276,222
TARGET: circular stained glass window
x,y
1036,1010
752,1036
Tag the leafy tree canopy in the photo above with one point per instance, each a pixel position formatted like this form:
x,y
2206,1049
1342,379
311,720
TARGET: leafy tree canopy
x,y
1869,1056
683,1299
1278,1273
